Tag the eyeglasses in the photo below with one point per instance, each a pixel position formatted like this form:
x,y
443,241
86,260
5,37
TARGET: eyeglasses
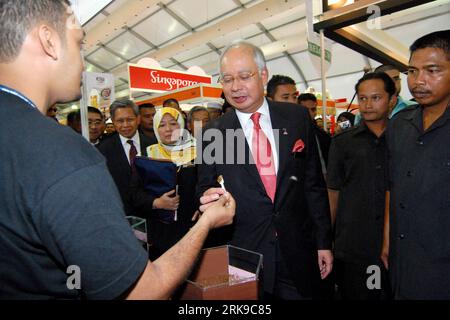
x,y
243,77
53,109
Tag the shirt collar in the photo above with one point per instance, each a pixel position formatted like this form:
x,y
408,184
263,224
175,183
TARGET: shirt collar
x,y
244,118
415,114
135,138
17,94
362,128
416,117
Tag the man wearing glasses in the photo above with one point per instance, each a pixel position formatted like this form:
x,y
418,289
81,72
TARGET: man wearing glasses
x,y
274,172
121,150
96,125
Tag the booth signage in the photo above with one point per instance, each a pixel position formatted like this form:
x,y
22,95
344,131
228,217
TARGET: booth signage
x,y
159,80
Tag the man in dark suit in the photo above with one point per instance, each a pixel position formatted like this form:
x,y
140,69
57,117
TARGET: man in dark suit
x,y
121,149
274,172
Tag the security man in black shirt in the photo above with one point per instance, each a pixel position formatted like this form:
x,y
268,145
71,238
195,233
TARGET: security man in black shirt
x,y
418,141
357,177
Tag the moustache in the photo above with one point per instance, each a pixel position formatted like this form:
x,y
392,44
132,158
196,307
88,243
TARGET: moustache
x,y
420,91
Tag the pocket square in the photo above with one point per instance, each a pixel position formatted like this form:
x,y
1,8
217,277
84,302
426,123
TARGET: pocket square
x,y
298,146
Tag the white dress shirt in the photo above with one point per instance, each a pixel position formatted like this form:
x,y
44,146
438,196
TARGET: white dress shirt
x,y
126,146
266,126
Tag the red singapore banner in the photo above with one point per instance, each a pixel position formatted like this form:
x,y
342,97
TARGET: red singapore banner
x,y
157,80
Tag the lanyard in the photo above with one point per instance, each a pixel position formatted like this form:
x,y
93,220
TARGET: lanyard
x,y
17,94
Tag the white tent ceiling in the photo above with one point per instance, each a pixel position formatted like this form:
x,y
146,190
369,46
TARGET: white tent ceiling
x,y
183,33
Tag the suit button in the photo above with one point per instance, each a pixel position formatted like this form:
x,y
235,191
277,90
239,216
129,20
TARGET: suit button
x,y
420,142
401,236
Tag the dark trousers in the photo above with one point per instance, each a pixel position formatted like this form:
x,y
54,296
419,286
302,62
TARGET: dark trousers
x,y
351,280
284,288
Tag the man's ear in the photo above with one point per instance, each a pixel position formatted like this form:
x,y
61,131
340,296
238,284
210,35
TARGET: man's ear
x,y
392,102
49,40
265,76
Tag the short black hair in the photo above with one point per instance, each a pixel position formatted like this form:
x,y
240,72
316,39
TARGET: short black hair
x,y
18,17
306,97
275,81
438,39
385,67
73,116
389,84
171,100
95,110
146,106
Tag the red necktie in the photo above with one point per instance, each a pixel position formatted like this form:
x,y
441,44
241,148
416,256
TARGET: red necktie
x,y
262,154
132,154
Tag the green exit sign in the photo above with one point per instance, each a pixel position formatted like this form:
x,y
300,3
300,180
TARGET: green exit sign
x,y
315,50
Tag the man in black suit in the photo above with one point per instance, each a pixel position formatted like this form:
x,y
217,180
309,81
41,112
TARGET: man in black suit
x,y
120,150
274,172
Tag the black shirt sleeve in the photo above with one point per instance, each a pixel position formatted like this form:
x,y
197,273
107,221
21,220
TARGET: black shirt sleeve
x,y
335,169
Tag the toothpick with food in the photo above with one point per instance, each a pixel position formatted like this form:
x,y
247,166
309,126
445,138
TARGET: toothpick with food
x,y
221,182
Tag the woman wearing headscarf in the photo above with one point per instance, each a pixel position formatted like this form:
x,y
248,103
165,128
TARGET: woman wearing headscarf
x,y
176,145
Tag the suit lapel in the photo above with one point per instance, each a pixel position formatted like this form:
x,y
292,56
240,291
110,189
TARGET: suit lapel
x,y
284,135
120,150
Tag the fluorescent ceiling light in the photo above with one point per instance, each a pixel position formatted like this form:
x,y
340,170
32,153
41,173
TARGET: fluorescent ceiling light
x,y
85,10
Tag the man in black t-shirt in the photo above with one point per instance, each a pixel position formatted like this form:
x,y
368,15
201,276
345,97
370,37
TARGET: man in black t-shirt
x,y
418,140
63,233
357,170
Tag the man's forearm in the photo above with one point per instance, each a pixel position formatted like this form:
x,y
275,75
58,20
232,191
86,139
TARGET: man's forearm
x,y
161,277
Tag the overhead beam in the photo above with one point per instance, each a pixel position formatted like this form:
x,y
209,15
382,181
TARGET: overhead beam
x,y
127,14
117,54
175,16
242,19
339,25
285,53
361,11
